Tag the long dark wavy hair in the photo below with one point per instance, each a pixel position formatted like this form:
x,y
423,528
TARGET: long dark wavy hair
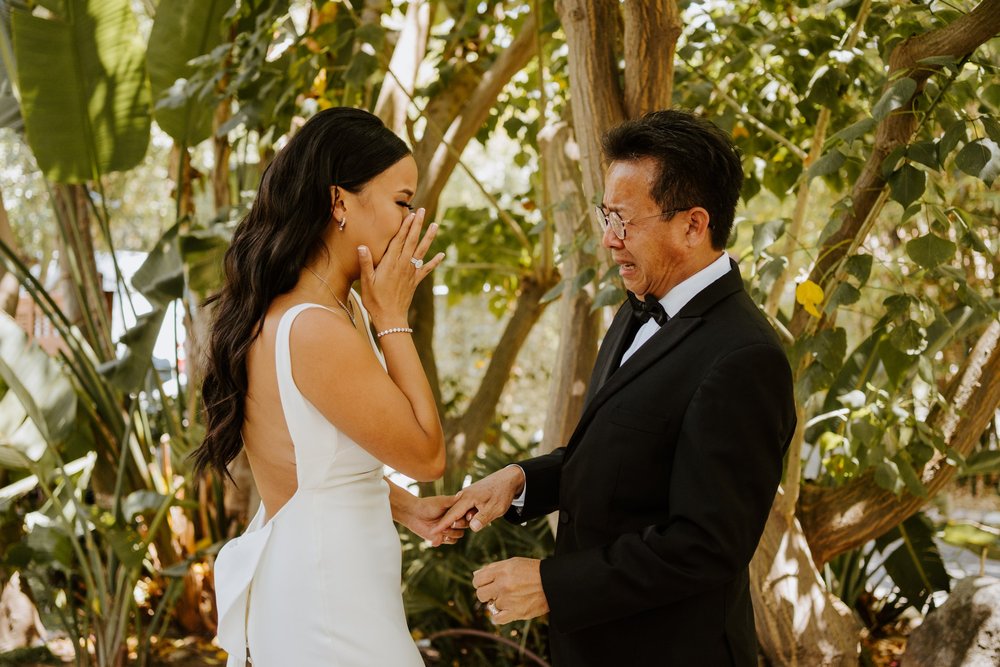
x,y
282,232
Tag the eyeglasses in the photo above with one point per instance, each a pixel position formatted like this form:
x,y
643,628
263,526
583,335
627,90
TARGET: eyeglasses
x,y
617,225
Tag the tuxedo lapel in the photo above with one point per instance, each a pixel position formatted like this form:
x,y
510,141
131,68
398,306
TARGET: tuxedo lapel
x,y
608,378
664,340
616,341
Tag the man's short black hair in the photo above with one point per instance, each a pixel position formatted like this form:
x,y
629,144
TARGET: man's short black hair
x,y
698,164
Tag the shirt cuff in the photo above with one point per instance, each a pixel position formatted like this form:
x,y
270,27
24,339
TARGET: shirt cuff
x,y
518,502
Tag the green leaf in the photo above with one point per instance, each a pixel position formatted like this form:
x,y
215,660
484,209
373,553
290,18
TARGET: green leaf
x,y
161,276
985,462
859,266
38,382
892,161
10,109
609,295
765,234
895,96
909,338
128,372
582,279
907,184
980,158
939,61
924,152
910,479
843,295
915,563
992,127
202,252
555,292
84,93
930,250
887,476
973,536
955,133
183,30
830,162
855,131
144,502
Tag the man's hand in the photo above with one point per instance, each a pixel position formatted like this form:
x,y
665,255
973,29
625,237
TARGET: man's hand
x,y
486,500
513,588
424,515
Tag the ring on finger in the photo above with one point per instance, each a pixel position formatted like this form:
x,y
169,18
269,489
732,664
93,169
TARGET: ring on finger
x,y
491,606
418,263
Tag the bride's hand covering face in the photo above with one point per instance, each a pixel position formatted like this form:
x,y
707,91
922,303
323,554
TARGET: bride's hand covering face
x,y
387,288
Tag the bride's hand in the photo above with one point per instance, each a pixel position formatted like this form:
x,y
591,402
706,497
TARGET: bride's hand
x,y
427,512
388,288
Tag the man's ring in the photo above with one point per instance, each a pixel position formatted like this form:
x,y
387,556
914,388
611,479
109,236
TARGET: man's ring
x,y
491,606
416,262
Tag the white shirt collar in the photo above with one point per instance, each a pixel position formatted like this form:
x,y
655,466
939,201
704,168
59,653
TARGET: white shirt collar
x,y
679,296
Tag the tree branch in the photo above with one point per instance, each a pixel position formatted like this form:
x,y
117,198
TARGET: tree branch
x,y
957,39
651,30
463,434
596,102
838,519
411,48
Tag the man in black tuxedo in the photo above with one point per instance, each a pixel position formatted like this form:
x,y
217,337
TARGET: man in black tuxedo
x,y
665,485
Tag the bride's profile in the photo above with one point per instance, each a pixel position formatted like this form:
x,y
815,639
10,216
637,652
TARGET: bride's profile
x,y
322,388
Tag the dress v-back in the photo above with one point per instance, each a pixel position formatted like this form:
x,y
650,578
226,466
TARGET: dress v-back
x,y
319,582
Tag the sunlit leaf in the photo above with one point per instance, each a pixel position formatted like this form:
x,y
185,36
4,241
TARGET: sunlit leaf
x,y
810,295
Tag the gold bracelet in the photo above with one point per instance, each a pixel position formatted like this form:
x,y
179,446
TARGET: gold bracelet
x,y
394,330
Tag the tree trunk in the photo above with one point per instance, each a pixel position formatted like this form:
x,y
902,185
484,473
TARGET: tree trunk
x,y
838,519
401,80
463,434
80,283
798,621
650,37
453,118
9,287
220,173
597,103
578,324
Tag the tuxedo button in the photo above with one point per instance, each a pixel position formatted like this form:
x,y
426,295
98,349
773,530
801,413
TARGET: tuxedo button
x,y
564,517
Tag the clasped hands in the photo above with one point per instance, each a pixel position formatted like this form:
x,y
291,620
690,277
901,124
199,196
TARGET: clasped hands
x,y
512,588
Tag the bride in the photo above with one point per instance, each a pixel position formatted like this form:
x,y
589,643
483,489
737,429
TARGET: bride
x,y
297,379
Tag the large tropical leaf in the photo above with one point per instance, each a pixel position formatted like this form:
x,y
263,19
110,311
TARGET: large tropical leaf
x,y
10,109
183,30
84,94
45,395
913,560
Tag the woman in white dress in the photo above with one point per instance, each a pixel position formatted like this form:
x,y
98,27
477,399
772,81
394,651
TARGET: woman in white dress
x,y
297,379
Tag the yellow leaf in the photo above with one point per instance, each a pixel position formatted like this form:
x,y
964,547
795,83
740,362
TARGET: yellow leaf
x,y
810,295
740,132
319,83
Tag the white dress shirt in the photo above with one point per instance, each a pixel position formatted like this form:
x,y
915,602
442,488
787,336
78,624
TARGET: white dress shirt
x,y
677,298
672,302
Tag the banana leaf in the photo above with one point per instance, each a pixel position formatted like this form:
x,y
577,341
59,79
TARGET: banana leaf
x,y
182,31
85,98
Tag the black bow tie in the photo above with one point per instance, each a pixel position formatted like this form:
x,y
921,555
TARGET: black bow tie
x,y
651,307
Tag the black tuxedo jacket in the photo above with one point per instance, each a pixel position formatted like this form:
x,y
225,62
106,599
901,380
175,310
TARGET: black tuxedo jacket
x,y
664,488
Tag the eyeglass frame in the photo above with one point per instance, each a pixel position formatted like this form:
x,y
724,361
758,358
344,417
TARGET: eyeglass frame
x,y
605,220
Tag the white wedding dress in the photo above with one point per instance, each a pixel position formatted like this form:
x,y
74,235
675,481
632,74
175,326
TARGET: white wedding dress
x,y
318,583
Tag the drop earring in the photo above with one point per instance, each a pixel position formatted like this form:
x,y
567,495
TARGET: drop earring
x,y
343,222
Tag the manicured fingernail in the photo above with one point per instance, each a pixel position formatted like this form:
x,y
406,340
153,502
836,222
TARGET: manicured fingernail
x,y
363,251
476,525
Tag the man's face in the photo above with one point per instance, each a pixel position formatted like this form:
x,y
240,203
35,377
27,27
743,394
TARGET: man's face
x,y
654,251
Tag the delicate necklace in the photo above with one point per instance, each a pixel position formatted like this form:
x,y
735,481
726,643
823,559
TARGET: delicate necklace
x,y
349,311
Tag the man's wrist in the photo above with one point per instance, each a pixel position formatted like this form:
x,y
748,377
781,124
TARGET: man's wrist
x,y
518,479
